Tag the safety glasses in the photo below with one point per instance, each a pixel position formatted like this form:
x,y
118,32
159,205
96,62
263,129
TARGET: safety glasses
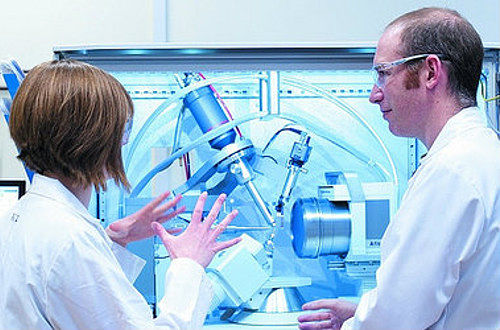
x,y
382,70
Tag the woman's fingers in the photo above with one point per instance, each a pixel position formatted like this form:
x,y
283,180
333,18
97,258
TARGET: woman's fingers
x,y
157,201
198,209
219,246
170,215
214,212
174,230
167,206
161,232
223,225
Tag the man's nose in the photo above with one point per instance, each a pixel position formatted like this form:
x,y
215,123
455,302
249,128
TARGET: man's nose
x,y
376,94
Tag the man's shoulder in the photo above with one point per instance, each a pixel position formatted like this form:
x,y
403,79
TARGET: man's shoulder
x,y
477,151
472,160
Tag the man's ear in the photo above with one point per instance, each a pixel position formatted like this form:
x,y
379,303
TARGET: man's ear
x,y
434,71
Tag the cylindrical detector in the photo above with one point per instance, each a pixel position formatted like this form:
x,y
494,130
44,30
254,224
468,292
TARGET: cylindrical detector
x,y
208,113
320,227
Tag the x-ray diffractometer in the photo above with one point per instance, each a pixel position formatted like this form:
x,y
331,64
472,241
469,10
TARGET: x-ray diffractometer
x,y
288,134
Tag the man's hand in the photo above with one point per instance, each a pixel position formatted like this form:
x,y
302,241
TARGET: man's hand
x,y
336,311
138,225
198,241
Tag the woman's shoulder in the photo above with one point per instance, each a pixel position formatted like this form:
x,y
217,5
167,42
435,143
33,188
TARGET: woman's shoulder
x,y
55,223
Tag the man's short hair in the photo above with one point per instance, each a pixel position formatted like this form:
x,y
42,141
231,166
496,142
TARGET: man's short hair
x,y
445,31
68,118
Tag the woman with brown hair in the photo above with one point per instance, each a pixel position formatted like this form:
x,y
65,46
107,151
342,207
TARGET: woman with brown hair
x,y
59,268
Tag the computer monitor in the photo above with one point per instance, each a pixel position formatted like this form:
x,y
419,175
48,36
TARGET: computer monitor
x,y
10,192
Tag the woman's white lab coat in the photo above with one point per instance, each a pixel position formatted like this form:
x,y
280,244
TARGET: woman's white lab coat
x,y
59,269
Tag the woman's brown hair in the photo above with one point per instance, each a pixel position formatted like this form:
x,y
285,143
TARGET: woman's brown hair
x,y
68,118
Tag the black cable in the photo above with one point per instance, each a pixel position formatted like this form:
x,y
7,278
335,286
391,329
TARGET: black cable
x,y
291,129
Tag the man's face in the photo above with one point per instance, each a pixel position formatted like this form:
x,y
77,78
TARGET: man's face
x,y
400,106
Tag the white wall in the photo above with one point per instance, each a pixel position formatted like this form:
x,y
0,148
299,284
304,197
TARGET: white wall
x,y
311,21
30,28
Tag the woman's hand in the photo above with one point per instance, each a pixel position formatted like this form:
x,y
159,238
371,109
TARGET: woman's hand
x,y
137,226
198,241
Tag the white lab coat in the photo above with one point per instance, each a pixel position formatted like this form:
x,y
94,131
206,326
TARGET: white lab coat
x,y
59,269
440,256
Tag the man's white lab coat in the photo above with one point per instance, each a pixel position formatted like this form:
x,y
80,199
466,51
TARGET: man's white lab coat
x,y
440,256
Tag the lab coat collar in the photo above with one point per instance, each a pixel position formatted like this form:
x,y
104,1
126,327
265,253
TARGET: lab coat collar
x,y
464,120
55,190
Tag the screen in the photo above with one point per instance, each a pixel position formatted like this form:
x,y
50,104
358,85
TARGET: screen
x,y
10,192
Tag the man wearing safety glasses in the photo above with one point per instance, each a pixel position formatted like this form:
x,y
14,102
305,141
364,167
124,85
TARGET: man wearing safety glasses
x,y
440,255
